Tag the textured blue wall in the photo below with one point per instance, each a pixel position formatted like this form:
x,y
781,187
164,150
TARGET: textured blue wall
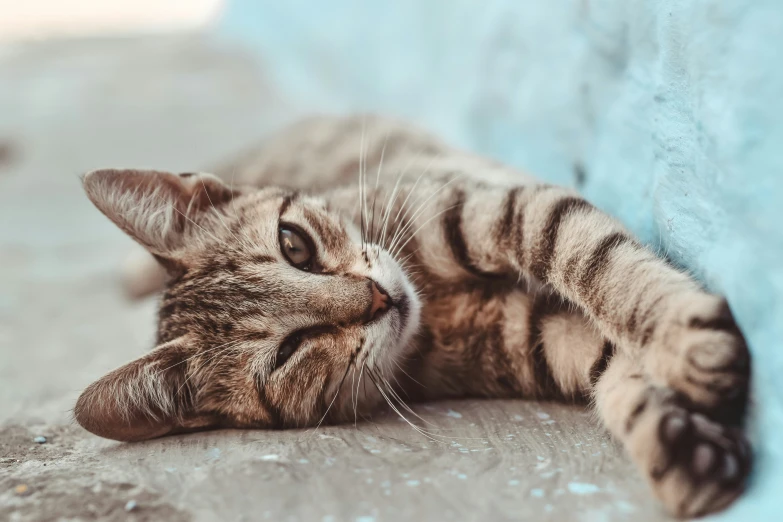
x,y
672,111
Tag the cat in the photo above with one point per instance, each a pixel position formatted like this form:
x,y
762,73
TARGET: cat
x,y
350,253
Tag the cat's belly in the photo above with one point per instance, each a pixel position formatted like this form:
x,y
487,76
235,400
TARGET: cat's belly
x,y
486,340
471,344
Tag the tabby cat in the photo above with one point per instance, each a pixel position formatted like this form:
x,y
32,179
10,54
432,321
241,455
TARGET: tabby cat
x,y
360,248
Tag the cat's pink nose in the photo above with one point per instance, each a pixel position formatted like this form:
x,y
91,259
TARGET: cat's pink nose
x,y
380,301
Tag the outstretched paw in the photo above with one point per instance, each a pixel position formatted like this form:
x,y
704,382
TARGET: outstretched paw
x,y
699,466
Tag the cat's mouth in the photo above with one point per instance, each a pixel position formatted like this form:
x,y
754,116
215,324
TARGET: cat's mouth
x,y
402,321
394,312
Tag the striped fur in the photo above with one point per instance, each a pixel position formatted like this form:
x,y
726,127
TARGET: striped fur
x,y
516,288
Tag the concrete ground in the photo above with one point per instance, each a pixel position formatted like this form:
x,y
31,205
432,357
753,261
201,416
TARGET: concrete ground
x,y
181,102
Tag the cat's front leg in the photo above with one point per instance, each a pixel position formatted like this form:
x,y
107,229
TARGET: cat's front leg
x,y
685,336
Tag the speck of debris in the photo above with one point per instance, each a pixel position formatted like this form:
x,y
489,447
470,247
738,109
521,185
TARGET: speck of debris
x,y
270,458
22,490
131,505
7,153
40,439
580,175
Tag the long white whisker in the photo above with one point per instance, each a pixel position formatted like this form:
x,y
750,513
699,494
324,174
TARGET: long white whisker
x,y
175,209
400,249
399,400
353,398
339,388
204,364
410,192
399,413
399,366
420,429
361,187
217,213
375,192
363,181
225,354
197,354
386,212
358,384
420,210
393,197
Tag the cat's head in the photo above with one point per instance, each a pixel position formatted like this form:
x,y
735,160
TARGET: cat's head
x,y
274,304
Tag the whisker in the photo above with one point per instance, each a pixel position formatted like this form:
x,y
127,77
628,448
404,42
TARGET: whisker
x,y
421,209
353,380
407,258
400,249
399,400
399,413
362,213
375,192
171,205
358,384
447,437
411,191
197,354
363,182
408,375
393,197
386,211
202,365
336,393
217,213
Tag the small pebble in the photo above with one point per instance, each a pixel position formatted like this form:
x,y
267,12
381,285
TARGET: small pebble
x,y
131,505
40,439
22,490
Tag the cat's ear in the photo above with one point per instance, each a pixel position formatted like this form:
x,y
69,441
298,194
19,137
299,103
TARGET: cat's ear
x,y
157,209
144,399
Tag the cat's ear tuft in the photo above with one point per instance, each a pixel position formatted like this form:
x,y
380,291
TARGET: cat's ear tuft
x,y
144,399
157,209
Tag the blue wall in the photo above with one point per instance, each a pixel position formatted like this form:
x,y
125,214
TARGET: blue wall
x,y
671,110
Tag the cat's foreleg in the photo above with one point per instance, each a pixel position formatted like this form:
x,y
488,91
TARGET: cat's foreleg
x,y
685,337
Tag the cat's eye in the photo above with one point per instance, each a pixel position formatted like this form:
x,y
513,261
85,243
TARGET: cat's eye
x,y
296,246
286,350
291,344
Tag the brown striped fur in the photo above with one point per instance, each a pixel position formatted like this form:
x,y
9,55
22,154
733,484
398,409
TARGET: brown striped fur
x,y
500,287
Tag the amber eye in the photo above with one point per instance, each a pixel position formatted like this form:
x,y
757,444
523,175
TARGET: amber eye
x,y
286,350
296,247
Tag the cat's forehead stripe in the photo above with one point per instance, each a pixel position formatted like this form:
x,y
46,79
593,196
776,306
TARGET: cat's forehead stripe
x,y
330,235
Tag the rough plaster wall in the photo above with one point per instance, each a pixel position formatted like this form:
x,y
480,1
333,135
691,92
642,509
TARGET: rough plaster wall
x,y
671,113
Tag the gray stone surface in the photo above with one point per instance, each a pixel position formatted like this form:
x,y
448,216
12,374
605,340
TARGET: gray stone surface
x,y
179,103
